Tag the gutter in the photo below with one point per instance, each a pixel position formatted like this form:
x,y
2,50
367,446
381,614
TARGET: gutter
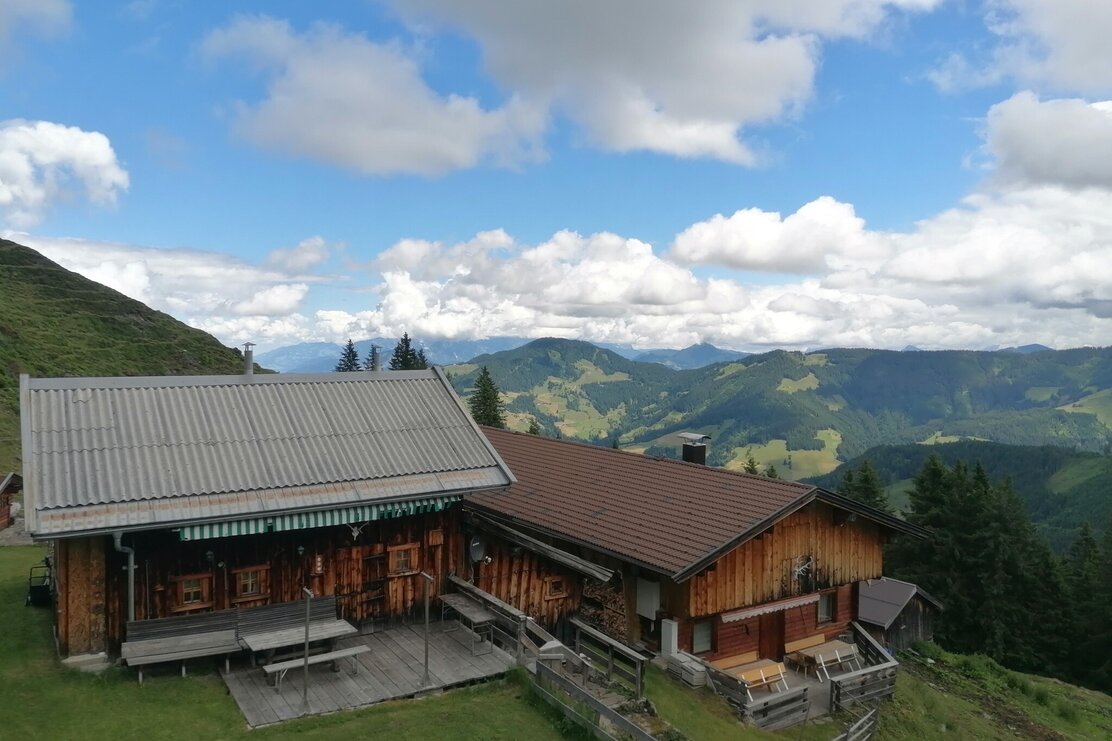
x,y
121,548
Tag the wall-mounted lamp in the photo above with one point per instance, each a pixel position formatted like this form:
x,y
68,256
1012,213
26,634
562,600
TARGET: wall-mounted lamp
x,y
301,550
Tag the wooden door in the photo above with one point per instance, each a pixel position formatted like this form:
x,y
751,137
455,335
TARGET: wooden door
x,y
771,636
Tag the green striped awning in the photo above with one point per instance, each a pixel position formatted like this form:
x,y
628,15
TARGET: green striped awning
x,y
323,518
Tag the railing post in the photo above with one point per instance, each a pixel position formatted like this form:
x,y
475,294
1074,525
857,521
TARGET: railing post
x,y
521,638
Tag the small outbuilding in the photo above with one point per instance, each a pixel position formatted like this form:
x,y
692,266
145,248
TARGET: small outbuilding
x,y
896,613
10,485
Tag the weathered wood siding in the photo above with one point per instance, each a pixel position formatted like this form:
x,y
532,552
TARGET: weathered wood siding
x,y
914,623
342,559
761,570
526,581
79,573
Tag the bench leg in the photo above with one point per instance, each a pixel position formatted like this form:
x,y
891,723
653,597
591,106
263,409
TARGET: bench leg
x,y
227,664
354,665
140,676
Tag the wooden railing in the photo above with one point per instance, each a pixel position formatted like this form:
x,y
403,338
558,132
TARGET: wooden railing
x,y
862,729
774,711
616,661
583,707
873,682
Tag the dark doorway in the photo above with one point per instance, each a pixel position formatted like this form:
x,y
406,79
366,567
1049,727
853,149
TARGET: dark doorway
x,y
771,640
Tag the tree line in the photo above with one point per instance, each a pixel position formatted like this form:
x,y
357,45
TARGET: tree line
x,y
1005,593
484,403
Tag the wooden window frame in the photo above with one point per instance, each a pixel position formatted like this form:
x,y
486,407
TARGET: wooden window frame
x,y
833,599
555,587
413,559
206,584
709,622
262,572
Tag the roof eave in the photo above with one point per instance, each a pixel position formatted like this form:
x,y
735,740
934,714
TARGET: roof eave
x,y
878,516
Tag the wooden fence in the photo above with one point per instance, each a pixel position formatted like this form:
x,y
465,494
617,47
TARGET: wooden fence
x,y
614,660
862,729
774,711
873,682
583,707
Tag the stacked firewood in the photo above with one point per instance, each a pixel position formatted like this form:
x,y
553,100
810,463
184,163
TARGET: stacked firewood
x,y
604,606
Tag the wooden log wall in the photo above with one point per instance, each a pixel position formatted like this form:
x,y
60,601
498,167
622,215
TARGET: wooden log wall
x,y
542,589
762,570
333,562
80,581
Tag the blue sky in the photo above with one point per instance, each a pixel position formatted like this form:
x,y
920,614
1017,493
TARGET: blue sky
x,y
753,173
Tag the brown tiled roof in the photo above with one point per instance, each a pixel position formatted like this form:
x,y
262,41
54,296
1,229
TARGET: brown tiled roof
x,y
664,514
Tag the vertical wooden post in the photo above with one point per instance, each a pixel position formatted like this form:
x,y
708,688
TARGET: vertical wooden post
x,y
305,687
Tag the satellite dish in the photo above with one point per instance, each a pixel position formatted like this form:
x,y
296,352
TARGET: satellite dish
x,y
476,549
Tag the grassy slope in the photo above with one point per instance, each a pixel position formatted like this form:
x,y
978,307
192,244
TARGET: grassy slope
x,y
39,699
57,323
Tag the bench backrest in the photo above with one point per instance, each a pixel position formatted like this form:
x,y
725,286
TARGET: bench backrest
x,y
731,661
764,675
253,620
181,625
816,640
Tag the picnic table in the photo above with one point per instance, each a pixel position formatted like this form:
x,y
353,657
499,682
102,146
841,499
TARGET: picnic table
x,y
826,655
480,619
295,636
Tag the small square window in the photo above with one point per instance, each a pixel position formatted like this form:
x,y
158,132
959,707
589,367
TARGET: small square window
x,y
405,559
826,608
556,587
248,583
191,591
701,637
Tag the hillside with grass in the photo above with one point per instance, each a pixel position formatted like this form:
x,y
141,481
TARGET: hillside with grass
x,y
807,412
56,323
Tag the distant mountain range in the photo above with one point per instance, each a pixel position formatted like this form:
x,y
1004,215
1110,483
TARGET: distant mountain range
x,y
805,413
317,357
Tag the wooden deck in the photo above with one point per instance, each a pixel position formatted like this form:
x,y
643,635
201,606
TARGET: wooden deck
x,y
392,669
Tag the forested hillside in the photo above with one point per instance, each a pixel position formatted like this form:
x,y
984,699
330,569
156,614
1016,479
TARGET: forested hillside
x,y
1060,488
806,413
57,323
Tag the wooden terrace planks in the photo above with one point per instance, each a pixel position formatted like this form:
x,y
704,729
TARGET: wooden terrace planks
x,y
392,668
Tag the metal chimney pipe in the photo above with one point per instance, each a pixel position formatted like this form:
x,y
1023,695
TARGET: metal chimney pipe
x,y
694,447
248,359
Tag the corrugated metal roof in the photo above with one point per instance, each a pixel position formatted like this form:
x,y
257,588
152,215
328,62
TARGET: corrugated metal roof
x,y
101,453
664,514
880,601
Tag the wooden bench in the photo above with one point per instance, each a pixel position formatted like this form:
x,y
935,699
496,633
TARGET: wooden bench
x,y
179,638
278,670
731,662
792,649
831,655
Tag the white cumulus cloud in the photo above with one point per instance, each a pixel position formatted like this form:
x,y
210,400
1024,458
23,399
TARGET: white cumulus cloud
x,y
340,98
42,162
306,254
1068,142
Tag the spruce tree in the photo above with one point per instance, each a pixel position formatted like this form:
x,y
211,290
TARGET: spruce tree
x,y
751,465
406,358
534,427
373,362
349,358
770,472
867,489
485,402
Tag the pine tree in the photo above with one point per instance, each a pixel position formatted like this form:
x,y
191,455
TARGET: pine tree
x,y
770,472
534,427
751,465
406,358
349,358
867,489
485,402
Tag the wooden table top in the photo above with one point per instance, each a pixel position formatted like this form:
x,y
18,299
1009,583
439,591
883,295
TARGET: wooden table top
x,y
828,649
464,605
318,631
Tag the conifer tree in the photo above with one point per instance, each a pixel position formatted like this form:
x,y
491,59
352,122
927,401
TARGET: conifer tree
x,y
534,427
406,358
349,358
485,402
770,472
867,489
751,465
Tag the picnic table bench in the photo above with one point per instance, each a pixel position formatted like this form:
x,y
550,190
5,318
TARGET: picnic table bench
x,y
179,638
828,655
764,673
480,619
278,669
269,628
